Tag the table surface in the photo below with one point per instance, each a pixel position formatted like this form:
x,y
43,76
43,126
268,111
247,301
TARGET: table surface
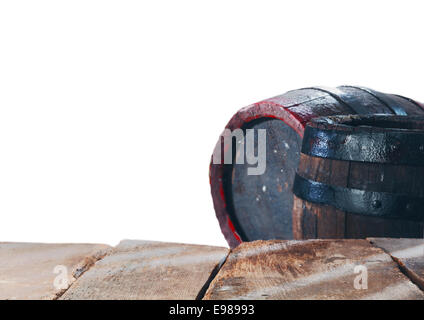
x,y
375,268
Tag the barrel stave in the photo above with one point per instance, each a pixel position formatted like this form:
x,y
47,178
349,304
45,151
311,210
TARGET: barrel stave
x,y
384,177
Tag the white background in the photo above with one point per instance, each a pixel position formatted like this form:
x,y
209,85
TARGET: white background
x,y
109,110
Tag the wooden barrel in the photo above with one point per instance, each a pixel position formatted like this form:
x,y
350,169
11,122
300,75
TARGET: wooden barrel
x,y
252,207
360,176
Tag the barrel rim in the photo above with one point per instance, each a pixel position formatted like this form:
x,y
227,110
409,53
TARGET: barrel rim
x,y
263,109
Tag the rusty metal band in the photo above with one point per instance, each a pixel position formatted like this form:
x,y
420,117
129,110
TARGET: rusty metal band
x,y
385,99
393,147
361,202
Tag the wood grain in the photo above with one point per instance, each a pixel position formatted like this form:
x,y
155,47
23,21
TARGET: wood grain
x,y
320,221
149,270
408,253
27,269
312,269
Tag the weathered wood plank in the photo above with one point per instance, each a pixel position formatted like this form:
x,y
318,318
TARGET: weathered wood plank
x,y
149,270
408,253
312,269
27,270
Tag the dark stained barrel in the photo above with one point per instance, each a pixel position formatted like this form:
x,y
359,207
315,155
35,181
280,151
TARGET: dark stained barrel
x,y
360,176
252,207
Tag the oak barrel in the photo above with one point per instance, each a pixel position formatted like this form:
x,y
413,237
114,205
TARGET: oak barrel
x,y
253,207
360,176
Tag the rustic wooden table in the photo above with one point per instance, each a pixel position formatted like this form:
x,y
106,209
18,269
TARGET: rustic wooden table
x,y
312,269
